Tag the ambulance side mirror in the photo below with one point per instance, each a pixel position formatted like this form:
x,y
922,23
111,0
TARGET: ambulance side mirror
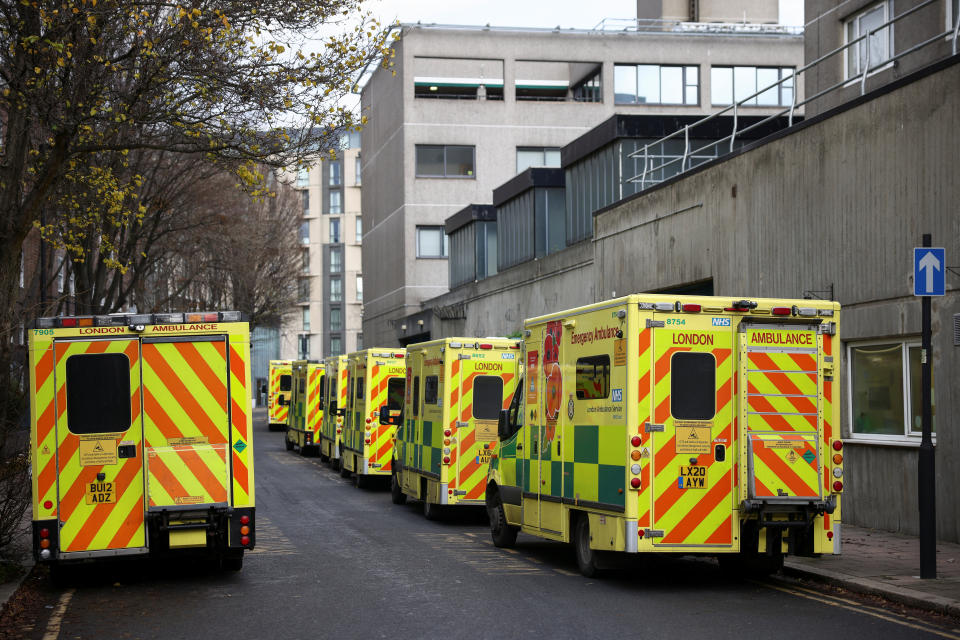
x,y
503,425
386,418
282,401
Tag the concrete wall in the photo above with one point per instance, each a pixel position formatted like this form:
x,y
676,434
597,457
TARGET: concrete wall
x,y
841,200
395,201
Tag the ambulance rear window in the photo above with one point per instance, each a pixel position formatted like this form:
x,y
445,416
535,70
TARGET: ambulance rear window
x,y
593,377
487,397
693,389
431,387
415,401
285,383
396,387
98,393
359,389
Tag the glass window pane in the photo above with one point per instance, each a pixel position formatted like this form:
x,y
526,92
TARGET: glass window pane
x,y
396,387
431,389
648,84
693,386
916,393
359,288
744,83
593,377
306,320
876,373
878,41
721,86
624,84
98,393
529,158
765,78
487,397
336,202
459,161
428,242
359,229
671,85
335,320
335,230
551,157
429,160
286,382
335,346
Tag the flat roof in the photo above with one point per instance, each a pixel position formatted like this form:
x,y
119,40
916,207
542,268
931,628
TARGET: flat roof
x,y
470,213
526,180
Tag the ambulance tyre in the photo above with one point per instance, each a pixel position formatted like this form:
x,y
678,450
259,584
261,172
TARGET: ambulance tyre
x,y
587,558
361,481
323,457
289,443
503,534
431,511
396,492
344,472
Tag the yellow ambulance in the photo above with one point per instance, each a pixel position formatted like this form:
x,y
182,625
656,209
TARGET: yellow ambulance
x,y
375,384
334,403
306,406
278,400
456,388
141,436
692,425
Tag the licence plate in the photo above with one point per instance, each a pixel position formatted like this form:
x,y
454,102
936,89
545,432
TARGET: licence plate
x,y
100,493
693,477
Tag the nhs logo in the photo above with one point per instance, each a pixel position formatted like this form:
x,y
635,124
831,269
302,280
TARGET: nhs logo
x,y
721,322
617,395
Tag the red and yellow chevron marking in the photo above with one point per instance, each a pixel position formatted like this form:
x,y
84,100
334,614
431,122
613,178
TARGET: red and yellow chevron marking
x,y
380,449
779,466
277,412
241,446
185,407
693,517
314,401
45,446
781,391
90,527
644,390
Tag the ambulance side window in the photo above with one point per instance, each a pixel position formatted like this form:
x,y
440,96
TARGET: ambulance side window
x,y
593,377
285,383
487,397
416,396
323,379
431,387
98,393
693,390
359,395
515,412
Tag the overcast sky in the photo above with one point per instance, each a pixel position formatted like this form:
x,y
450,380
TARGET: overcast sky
x,y
578,14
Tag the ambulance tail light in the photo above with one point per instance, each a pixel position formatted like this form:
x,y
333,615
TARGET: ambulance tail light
x,y
398,355
515,345
635,441
44,533
837,458
635,483
244,519
781,311
245,541
484,346
689,308
838,486
837,445
446,459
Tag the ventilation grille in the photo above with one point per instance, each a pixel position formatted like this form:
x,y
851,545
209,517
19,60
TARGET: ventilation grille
x,y
956,329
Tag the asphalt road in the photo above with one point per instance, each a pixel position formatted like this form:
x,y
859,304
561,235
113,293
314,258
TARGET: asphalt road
x,y
336,561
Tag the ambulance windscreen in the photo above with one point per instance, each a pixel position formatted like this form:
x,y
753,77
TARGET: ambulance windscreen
x,y
487,397
98,393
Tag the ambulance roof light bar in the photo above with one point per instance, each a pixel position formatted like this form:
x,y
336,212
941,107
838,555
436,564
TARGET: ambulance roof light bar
x,y
134,319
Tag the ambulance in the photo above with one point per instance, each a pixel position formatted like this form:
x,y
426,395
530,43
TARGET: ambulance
x,y
675,424
278,400
306,406
375,384
334,403
456,388
141,436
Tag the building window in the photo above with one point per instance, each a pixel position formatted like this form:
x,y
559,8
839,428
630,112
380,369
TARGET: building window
x,y
885,389
305,198
431,242
589,90
729,84
336,320
336,260
336,289
356,169
336,177
359,229
306,320
303,177
303,348
537,157
335,230
336,346
305,260
336,202
656,84
445,161
359,288
359,341
876,47
303,290
305,232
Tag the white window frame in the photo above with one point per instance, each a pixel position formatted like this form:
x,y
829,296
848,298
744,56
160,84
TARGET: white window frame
x,y
359,289
684,84
886,4
909,437
359,229
305,319
445,248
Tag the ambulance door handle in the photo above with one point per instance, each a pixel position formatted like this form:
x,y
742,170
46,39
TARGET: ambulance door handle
x,y
519,446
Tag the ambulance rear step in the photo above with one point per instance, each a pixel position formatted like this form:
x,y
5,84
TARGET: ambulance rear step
x,y
800,512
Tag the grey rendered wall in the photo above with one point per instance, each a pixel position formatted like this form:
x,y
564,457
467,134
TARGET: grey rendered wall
x,y
842,200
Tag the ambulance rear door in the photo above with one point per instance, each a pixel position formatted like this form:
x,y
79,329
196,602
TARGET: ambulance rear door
x,y
99,439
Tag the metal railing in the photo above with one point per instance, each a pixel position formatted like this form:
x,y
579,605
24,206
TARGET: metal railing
x,y
637,25
652,148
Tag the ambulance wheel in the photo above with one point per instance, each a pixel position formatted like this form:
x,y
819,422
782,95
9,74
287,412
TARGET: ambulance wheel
x,y
324,457
344,472
288,443
361,481
502,533
396,492
431,511
586,557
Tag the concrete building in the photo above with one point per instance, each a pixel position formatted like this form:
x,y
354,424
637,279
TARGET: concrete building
x,y
327,320
830,207
470,107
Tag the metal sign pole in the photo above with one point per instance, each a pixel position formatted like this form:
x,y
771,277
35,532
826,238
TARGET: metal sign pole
x,y
926,478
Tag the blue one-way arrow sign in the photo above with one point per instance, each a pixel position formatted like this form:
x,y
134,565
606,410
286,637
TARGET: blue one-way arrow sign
x,y
929,271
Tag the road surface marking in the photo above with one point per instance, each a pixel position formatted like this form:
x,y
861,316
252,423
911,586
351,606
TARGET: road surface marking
x,y
53,625
271,541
